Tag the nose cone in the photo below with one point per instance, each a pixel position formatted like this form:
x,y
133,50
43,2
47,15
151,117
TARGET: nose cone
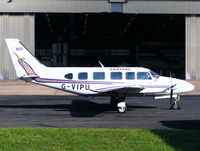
x,y
183,86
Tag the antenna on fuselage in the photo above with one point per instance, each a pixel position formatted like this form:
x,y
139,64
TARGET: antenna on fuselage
x,y
101,64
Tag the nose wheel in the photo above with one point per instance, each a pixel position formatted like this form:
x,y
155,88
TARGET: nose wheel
x,y
175,104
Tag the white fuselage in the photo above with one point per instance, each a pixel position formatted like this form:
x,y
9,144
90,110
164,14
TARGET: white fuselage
x,y
109,81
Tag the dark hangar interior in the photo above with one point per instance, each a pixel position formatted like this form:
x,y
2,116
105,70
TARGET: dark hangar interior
x,y
82,39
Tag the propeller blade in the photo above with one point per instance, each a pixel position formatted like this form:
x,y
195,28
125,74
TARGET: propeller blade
x,y
171,96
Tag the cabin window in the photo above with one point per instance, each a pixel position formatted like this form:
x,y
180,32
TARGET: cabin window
x,y
116,75
83,76
130,75
143,76
98,75
69,76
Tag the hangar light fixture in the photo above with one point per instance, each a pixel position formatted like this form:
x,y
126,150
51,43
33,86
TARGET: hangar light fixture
x,y
85,23
128,25
8,1
49,22
161,27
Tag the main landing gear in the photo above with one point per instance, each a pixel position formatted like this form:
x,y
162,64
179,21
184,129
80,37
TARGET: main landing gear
x,y
175,103
119,103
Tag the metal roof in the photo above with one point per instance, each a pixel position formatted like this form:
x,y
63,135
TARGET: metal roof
x,y
125,6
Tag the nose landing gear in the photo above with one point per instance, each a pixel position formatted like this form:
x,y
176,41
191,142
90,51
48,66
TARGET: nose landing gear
x,y
175,103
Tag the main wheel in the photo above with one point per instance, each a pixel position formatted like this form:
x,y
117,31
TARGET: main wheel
x,y
121,109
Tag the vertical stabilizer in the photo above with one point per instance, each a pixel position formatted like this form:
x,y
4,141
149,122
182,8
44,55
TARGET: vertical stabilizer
x,y
26,65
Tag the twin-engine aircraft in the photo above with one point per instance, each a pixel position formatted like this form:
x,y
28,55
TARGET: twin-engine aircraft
x,y
117,82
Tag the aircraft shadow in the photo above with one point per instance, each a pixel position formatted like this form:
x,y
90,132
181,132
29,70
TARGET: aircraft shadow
x,y
77,108
85,108
182,124
179,139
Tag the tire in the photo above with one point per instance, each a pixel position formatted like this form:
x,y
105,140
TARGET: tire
x,y
121,109
175,106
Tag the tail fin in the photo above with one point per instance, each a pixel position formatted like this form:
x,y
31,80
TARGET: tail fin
x,y
24,62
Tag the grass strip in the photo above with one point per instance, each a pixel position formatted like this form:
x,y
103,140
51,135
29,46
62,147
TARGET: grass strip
x,y
62,139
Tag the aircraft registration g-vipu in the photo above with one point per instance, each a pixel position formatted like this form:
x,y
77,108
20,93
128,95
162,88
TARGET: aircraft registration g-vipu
x,y
117,82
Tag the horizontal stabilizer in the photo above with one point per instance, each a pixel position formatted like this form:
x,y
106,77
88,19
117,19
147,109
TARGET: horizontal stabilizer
x,y
29,76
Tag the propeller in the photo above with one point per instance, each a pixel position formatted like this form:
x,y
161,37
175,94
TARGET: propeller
x,y
171,95
171,87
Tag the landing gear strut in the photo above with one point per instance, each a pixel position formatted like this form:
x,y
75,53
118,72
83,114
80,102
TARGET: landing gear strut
x,y
120,103
175,103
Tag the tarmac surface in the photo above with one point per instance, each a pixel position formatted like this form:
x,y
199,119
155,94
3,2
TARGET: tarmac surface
x,y
29,105
80,112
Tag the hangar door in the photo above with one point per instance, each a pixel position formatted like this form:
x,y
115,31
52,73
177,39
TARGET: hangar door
x,y
115,39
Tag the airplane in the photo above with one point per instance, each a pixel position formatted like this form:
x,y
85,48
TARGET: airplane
x,y
117,82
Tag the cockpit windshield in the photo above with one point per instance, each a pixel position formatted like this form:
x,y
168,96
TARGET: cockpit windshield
x,y
155,75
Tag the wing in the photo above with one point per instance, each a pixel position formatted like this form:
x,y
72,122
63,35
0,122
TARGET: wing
x,y
126,89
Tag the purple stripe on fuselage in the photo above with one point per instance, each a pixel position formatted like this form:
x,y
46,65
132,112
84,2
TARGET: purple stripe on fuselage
x,y
83,82
110,89
115,87
72,82
65,81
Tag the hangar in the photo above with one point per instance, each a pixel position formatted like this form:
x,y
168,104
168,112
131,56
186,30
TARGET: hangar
x,y
159,34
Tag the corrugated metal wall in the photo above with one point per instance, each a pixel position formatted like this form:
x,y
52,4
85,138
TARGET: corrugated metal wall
x,y
65,6
15,26
162,6
193,47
